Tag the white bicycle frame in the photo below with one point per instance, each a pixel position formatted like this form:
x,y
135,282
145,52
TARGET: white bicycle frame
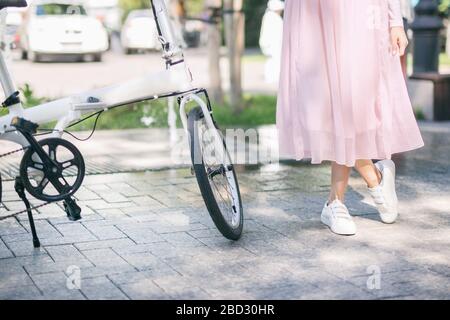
x,y
176,80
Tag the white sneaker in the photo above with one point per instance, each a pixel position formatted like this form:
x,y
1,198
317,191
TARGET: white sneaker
x,y
337,217
384,195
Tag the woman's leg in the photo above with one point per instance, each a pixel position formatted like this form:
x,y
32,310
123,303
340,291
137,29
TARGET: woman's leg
x,y
369,172
381,182
335,214
339,182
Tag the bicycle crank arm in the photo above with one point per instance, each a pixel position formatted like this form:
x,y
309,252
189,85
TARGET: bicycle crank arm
x,y
50,167
27,129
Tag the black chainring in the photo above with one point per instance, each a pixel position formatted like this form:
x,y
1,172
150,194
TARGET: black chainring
x,y
56,179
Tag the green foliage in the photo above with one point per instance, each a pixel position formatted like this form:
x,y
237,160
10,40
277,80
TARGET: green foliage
x,y
194,7
129,117
420,115
260,110
30,99
444,60
129,5
444,7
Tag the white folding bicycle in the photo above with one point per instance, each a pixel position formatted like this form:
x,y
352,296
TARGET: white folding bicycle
x,y
53,169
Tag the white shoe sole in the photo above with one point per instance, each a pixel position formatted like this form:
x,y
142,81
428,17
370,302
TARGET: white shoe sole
x,y
336,230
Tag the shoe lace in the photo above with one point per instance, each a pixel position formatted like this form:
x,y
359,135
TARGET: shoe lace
x,y
340,211
378,196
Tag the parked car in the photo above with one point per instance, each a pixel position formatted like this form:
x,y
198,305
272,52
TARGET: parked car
x,y
140,32
61,27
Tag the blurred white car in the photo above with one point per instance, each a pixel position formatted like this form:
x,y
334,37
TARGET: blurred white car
x,y
61,27
140,32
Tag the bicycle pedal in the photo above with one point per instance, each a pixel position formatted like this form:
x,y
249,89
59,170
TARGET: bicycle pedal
x,y
72,209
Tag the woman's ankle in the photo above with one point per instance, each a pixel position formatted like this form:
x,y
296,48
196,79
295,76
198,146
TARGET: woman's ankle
x,y
376,181
334,198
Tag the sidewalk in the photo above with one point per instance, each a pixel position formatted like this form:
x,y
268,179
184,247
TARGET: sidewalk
x,y
147,235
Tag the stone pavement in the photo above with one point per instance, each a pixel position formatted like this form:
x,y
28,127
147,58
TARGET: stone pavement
x,y
148,236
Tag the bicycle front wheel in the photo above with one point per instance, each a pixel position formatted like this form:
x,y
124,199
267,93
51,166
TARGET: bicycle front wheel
x,y
216,175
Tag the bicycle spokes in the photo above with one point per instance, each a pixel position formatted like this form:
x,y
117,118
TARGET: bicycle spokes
x,y
57,174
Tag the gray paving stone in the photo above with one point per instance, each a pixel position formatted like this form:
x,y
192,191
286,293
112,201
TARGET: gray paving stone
x,y
24,248
143,261
147,201
145,290
106,232
189,293
181,239
44,227
11,265
204,233
89,272
86,213
5,252
149,236
337,291
102,204
47,267
140,213
70,239
17,279
113,197
21,293
54,287
102,244
74,230
64,253
164,226
159,249
86,194
407,283
105,258
125,189
140,234
112,216
11,227
101,289
139,276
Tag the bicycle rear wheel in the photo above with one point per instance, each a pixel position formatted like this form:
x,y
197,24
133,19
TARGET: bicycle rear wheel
x,y
216,176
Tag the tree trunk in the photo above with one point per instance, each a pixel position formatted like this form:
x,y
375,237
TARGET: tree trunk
x,y
214,45
235,39
448,40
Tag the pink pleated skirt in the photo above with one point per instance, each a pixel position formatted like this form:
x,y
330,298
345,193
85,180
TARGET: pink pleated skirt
x,y
342,94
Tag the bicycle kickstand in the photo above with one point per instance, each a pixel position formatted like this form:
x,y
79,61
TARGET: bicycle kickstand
x,y
20,189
